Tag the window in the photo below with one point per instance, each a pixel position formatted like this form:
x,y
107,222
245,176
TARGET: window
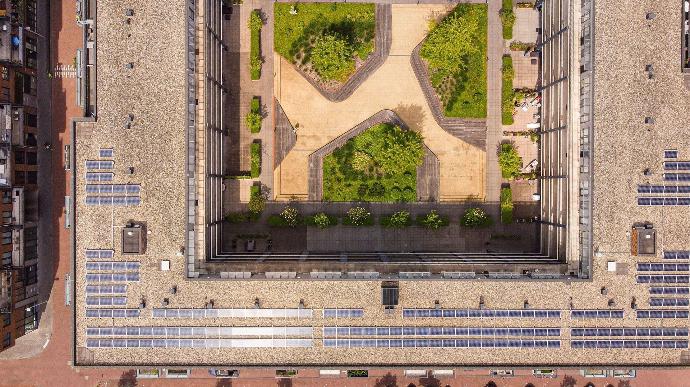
x,y
30,275
5,76
30,50
7,237
6,258
19,177
6,217
6,319
5,94
30,120
6,197
31,158
7,339
29,84
18,157
31,177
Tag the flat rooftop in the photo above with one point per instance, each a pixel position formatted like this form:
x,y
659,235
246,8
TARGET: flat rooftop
x,y
139,140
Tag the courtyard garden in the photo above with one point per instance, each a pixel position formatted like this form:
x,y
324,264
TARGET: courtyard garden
x,y
326,40
379,165
455,52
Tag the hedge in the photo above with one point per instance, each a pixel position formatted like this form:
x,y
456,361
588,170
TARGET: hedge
x,y
507,92
506,205
255,61
255,154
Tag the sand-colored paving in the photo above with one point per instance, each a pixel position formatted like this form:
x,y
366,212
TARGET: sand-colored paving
x,y
393,86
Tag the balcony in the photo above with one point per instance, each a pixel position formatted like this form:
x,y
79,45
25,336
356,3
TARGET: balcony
x,y
11,125
11,43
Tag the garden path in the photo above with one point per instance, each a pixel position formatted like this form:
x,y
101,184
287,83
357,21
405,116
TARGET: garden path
x,y
393,86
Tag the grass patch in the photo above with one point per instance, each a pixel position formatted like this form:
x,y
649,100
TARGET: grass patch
x,y
379,165
255,157
506,205
507,19
255,60
254,117
507,92
339,32
455,51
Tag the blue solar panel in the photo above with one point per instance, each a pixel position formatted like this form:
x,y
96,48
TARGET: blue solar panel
x,y
671,154
668,302
662,314
669,290
684,254
596,313
482,313
652,266
659,279
602,344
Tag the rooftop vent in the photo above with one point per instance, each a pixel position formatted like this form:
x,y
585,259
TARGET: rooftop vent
x,y
650,15
129,12
649,120
129,65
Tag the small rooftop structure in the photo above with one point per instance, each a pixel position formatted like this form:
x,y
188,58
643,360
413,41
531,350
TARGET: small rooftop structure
x,y
643,241
133,239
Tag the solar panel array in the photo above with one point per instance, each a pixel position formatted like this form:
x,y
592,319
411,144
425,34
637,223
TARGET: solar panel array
x,y
662,313
629,332
677,176
199,331
441,343
596,313
106,301
112,313
677,165
663,279
668,302
100,164
199,343
113,200
106,289
99,176
112,277
113,188
99,254
437,331
603,344
677,254
671,154
232,312
663,201
342,313
664,189
651,266
485,313
105,152
669,290
113,266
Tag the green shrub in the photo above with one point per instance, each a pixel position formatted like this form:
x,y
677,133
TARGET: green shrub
x,y
322,220
289,217
358,216
298,26
238,217
398,219
507,19
257,201
475,217
455,51
254,122
506,205
255,105
255,158
520,46
374,165
510,161
507,92
255,61
432,220
331,57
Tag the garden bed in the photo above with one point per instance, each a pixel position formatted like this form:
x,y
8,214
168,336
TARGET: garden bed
x,y
455,53
255,157
506,205
507,92
328,42
255,60
378,165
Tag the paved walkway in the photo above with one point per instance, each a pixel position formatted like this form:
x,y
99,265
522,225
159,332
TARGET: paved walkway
x,y
393,86
493,107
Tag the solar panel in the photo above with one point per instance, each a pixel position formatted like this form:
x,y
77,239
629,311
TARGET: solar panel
x,y
580,332
342,313
652,266
105,152
643,344
653,313
99,254
677,165
669,290
677,254
668,302
109,277
106,289
481,313
656,279
232,312
670,154
100,164
438,331
99,176
445,343
112,313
